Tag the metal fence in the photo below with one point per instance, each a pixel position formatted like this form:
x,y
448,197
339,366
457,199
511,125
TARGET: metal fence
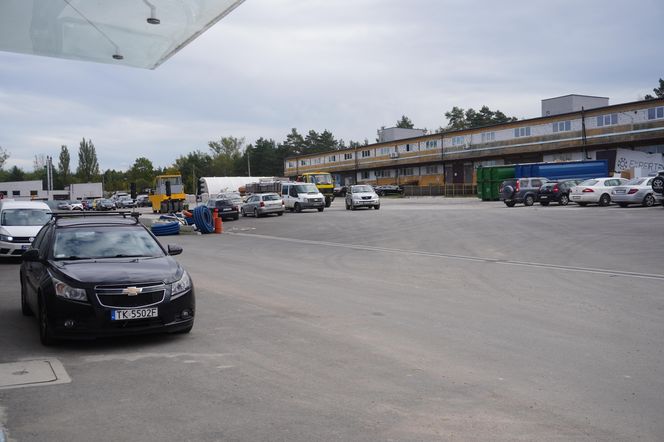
x,y
446,190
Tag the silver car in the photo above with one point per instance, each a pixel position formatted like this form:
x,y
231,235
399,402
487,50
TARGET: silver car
x,y
636,191
362,195
261,204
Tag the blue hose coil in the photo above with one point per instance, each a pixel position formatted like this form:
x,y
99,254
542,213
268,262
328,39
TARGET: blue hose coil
x,y
163,229
203,219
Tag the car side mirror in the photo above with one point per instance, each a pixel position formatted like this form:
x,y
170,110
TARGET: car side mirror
x,y
31,255
174,250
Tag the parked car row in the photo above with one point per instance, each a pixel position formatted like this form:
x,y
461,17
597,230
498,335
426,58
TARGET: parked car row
x,y
601,191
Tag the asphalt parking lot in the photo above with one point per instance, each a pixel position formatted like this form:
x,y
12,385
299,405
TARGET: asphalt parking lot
x,y
430,319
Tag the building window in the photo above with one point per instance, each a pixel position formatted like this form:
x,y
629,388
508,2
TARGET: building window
x,y
303,163
655,112
408,171
316,160
383,173
607,120
291,164
488,137
432,144
385,150
16,193
458,141
366,153
332,158
348,156
364,174
431,170
522,132
33,193
562,126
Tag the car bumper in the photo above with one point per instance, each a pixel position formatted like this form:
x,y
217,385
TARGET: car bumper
x,y
93,321
267,210
635,198
229,214
552,197
585,198
9,249
312,204
359,203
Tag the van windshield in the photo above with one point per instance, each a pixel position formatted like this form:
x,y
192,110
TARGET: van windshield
x,y
323,178
25,217
306,188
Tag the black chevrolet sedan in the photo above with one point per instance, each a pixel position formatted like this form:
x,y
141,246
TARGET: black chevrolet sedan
x,y
102,274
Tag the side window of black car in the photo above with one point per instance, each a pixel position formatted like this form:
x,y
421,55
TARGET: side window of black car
x,y
39,242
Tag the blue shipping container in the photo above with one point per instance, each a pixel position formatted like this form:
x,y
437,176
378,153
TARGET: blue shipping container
x,y
562,171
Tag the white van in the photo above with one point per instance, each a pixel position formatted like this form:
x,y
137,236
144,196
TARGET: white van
x,y
20,221
298,196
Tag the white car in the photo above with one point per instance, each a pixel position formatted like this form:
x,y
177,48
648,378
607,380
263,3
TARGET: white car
x,y
594,191
20,221
362,195
636,191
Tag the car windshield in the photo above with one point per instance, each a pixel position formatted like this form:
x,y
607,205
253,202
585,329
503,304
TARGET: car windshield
x,y
25,217
635,181
306,188
358,189
272,197
323,178
588,183
104,242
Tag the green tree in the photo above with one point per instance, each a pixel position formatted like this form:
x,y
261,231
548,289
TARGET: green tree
x,y
405,123
114,180
141,173
226,155
64,174
659,91
198,164
88,166
16,174
264,158
4,155
458,119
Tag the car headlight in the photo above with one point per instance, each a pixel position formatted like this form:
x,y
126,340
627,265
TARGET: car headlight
x,y
6,238
65,291
180,287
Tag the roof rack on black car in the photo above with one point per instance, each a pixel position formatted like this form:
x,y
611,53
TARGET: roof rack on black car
x,y
121,213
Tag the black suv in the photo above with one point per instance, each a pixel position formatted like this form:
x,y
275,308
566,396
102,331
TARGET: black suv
x,y
556,191
92,275
226,207
520,190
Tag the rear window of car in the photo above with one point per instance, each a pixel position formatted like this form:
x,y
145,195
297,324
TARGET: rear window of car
x,y
270,197
93,242
636,181
588,183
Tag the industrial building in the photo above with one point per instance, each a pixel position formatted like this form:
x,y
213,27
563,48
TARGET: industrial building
x,y
572,127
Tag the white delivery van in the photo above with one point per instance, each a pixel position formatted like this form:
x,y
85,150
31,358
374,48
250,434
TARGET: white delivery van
x,y
20,221
299,196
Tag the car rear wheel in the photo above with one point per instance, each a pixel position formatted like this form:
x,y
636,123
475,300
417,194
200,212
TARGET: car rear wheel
x,y
564,200
528,200
256,215
347,206
649,201
510,203
243,212
604,200
45,333
298,208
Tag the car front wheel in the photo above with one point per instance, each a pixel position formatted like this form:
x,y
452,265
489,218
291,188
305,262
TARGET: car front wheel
x,y
604,200
649,201
45,333
25,307
564,200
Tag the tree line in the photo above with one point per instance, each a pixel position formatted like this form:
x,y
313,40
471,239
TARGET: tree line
x,y
229,156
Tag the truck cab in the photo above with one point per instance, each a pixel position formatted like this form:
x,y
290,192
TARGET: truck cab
x,y
323,181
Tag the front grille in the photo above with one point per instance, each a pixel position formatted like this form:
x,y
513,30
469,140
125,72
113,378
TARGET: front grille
x,y
117,296
22,239
366,197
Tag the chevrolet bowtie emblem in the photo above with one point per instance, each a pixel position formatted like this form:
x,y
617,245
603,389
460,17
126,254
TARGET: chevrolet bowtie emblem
x,y
132,291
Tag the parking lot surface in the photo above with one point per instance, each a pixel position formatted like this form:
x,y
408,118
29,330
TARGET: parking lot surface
x,y
430,319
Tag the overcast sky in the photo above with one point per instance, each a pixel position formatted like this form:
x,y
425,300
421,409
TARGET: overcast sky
x,y
346,66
